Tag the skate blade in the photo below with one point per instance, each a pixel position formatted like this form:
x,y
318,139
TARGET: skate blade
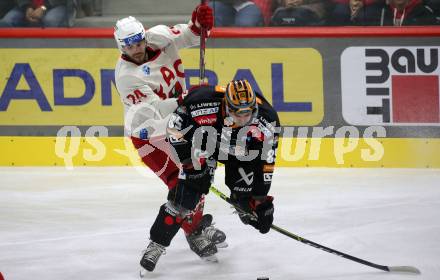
x,y
142,272
212,258
222,245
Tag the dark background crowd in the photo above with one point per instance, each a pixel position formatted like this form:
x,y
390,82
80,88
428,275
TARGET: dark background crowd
x,y
326,12
230,13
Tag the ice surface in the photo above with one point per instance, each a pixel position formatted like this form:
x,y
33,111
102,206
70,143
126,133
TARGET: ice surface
x,y
92,223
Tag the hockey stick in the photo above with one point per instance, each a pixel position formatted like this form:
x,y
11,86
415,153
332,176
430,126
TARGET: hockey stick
x,y
203,34
402,269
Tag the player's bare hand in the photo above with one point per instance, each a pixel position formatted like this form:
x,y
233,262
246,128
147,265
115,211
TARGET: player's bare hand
x,y
355,7
293,3
29,15
38,13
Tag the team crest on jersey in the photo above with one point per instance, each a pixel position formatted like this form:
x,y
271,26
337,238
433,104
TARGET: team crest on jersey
x,y
146,70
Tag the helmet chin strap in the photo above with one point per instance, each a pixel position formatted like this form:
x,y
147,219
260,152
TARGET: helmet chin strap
x,y
229,120
146,52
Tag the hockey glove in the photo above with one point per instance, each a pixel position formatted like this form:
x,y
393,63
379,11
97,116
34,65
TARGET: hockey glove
x,y
264,212
202,17
199,180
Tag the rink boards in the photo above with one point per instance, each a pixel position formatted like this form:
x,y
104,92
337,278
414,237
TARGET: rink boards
x,y
380,94
293,152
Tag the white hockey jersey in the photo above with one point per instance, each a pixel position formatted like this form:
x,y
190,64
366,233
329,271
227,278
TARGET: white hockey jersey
x,y
148,90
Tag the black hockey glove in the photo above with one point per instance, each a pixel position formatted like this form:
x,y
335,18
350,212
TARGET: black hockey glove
x,y
264,212
199,180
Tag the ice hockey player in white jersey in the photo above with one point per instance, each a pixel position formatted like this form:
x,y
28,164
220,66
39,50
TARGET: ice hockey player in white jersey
x,y
150,80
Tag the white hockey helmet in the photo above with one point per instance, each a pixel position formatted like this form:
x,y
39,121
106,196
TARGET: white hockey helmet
x,y
128,31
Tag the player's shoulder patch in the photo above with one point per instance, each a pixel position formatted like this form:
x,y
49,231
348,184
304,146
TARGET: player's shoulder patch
x,y
181,110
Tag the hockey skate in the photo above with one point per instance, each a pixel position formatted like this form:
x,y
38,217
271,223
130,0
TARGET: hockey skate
x,y
205,239
216,236
151,256
200,244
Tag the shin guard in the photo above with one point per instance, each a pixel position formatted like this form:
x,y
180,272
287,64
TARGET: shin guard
x,y
165,226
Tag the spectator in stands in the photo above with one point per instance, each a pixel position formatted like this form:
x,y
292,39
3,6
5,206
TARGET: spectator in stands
x,y
300,13
407,12
435,6
88,8
5,6
239,12
267,7
40,13
356,12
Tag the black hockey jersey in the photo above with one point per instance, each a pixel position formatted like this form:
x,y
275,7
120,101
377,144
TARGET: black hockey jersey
x,y
200,128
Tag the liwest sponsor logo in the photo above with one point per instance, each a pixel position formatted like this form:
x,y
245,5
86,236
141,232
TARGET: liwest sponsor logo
x,y
391,85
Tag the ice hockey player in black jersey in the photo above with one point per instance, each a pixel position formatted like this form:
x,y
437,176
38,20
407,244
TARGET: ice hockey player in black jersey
x,y
235,126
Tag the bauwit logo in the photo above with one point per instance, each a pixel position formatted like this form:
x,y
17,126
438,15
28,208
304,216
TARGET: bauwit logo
x,y
390,85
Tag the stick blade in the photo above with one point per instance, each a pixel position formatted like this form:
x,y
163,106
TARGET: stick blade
x,y
404,269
